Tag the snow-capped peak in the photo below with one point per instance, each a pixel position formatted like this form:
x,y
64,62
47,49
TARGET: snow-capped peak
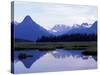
x,y
86,25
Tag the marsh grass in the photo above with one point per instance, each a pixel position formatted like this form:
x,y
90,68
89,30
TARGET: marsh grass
x,y
87,48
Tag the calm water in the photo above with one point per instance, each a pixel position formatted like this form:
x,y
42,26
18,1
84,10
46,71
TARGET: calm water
x,y
58,60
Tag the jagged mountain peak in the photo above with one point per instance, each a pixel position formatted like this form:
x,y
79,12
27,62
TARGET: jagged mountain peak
x,y
75,29
59,29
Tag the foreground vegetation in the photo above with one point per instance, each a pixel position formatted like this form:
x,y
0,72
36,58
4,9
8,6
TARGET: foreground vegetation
x,y
88,48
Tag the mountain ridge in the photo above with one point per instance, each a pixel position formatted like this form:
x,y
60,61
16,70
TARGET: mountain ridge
x,y
75,29
29,30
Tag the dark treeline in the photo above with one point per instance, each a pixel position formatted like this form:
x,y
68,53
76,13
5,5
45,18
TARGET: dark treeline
x,y
71,37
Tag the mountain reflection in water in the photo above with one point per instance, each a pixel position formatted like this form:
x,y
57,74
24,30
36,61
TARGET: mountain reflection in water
x,y
57,60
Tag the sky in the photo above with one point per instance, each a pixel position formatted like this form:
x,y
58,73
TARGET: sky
x,y
49,14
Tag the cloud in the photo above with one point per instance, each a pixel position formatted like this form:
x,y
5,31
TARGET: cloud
x,y
47,14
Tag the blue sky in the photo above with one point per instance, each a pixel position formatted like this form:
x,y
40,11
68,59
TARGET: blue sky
x,y
50,14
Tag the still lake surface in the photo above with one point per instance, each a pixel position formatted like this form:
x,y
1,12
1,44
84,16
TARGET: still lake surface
x,y
57,60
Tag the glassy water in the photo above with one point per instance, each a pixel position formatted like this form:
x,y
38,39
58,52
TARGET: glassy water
x,y
58,60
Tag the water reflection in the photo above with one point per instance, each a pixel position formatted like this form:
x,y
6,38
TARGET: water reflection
x,y
28,61
59,53
57,60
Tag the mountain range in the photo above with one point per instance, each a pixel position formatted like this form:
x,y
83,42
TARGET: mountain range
x,y
84,28
28,29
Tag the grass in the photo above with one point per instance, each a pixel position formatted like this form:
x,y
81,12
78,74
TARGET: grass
x,y
89,48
